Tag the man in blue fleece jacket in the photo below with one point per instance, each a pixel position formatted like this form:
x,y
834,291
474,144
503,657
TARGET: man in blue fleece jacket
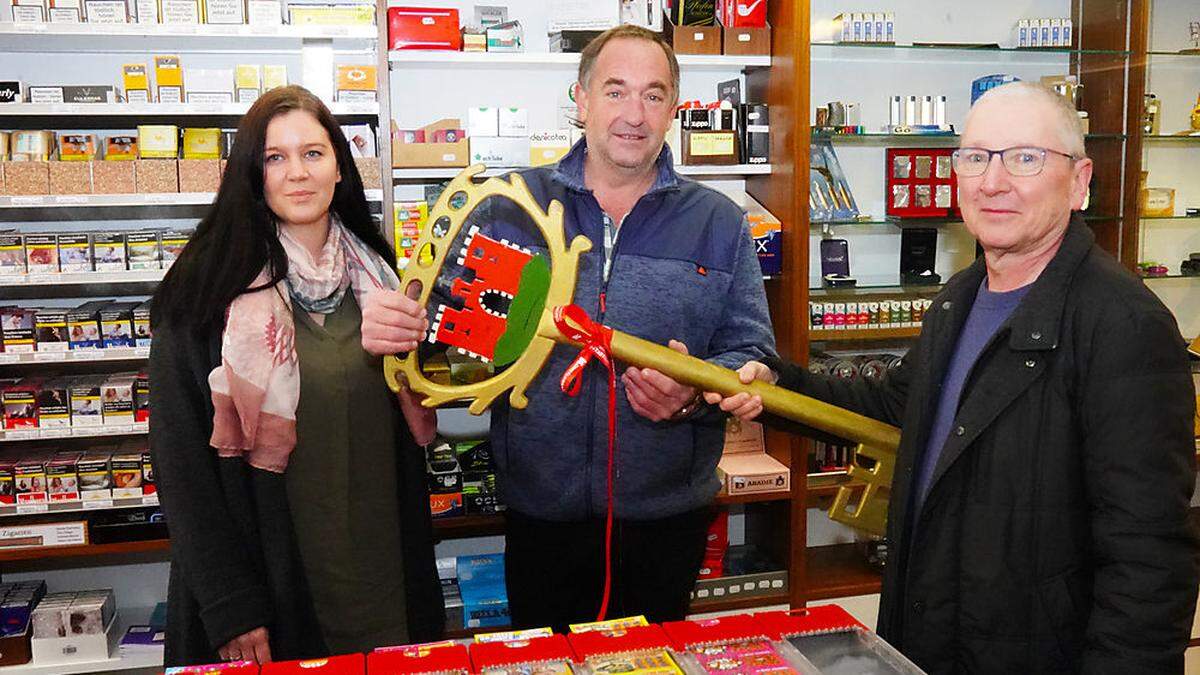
x,y
672,261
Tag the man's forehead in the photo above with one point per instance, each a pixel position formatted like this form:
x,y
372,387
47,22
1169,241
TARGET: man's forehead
x,y
626,59
1009,122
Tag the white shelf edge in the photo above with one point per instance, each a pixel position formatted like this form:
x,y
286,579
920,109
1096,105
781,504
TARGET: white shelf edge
x,y
77,356
91,201
441,58
237,31
83,278
713,170
160,109
82,432
19,510
126,617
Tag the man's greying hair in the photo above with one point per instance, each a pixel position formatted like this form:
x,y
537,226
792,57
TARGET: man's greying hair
x,y
629,32
1069,128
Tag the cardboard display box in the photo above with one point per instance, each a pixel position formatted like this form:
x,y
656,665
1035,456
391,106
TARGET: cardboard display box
x,y
747,41
705,40
70,178
113,178
28,178
426,154
157,175
199,175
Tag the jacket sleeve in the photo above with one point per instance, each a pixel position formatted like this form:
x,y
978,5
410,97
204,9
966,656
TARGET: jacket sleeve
x,y
744,332
1138,402
213,558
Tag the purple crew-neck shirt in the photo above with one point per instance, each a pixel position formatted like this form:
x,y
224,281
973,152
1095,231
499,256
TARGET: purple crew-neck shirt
x,y
988,313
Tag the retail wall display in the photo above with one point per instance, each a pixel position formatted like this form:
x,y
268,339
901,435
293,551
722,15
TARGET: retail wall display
x,y
830,197
462,479
865,27
980,86
921,183
835,263
424,28
49,253
693,12
194,12
55,407
1044,32
745,467
43,475
918,257
891,313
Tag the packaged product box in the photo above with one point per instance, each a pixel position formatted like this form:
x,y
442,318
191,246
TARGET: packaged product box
x,y
121,148
548,147
50,325
29,478
29,11
7,488
428,153
54,404
581,16
70,178
41,253
95,476
225,12
108,251
62,477
157,175
695,39
28,178
173,242
149,487
141,398
75,252
83,324
31,146
264,12
12,253
76,147
117,405
127,475
199,175
143,249
113,178
274,76
210,85
350,664
85,402
499,151
201,143
424,28
137,82
247,82
746,41
90,613
179,12
158,141
106,11
356,83
18,330
46,620
368,170
168,78
116,324
141,326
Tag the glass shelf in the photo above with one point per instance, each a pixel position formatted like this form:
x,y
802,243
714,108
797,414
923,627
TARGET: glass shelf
x,y
1173,218
1192,53
896,222
1172,138
885,136
986,48
1172,276
880,283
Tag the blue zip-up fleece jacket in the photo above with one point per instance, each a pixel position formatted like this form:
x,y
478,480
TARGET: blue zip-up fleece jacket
x,y
683,267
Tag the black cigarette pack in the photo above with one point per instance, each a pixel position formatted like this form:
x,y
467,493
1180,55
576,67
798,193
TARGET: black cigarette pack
x,y
116,324
83,324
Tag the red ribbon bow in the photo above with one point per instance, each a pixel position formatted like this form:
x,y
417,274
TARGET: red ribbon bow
x,y
574,323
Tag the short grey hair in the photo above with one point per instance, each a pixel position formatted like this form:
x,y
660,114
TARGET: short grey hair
x,y
628,32
1069,128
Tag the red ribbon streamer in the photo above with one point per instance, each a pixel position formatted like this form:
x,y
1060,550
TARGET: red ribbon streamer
x,y
574,323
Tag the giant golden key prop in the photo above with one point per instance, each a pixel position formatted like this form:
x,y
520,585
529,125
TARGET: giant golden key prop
x,y
529,332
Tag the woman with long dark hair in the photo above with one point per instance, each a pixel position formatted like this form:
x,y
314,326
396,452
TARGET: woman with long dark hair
x,y
292,486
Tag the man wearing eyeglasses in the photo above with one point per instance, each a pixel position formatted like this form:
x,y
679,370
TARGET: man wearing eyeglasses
x,y
1039,511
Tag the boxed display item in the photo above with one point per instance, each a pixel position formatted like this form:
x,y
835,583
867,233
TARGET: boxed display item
x,y
157,175
108,251
20,405
137,83
54,404
445,657
51,326
274,76
710,147
421,148
121,148
27,178
264,12
84,629
41,253
330,13
552,654
199,175
483,121
106,11
29,478
141,404
143,248
423,28
225,12
83,323
173,242
17,329
113,178
141,325
571,41
548,147
12,253
127,475
116,324
29,11
485,601
85,402
75,252
168,79
158,141
506,37
32,146
62,477
117,409
247,82
743,41
95,476
70,178
696,39
499,151
201,143
350,664
7,493
582,15
209,85
355,83
742,13
12,91
76,147
179,12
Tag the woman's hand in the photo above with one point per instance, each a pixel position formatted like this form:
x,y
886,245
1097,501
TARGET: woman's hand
x,y
392,323
744,406
252,646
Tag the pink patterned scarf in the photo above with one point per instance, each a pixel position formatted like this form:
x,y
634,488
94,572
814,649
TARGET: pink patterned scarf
x,y
256,389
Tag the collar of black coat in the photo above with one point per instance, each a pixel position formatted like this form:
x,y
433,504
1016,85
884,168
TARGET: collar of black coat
x,y
1036,322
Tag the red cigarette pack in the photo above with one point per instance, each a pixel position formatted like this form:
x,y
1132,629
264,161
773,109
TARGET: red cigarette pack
x,y
424,28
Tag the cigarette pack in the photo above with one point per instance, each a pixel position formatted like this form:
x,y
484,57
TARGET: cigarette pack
x,y
41,253
106,11
75,252
116,324
143,250
141,398
108,251
117,406
54,404
29,477
85,402
225,12
141,326
7,488
247,82
83,324
168,76
62,477
18,329
137,83
127,475
12,254
95,476
51,327
173,242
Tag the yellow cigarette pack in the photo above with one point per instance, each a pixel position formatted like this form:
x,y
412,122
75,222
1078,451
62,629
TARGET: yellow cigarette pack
x,y
274,76
137,83
76,147
247,82
201,143
168,76
159,141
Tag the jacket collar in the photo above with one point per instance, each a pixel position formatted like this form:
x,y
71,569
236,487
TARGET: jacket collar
x,y
569,170
1036,323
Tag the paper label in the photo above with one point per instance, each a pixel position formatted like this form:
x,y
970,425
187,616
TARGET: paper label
x,y
712,144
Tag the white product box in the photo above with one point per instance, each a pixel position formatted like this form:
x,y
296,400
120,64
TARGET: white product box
x,y
1044,28
582,15
76,648
147,11
889,27
1035,33
225,11
514,122
547,147
843,27
483,122
206,85
857,20
1068,29
880,22
869,27
496,151
1023,33
29,11
106,11
645,13
265,12
179,12
66,11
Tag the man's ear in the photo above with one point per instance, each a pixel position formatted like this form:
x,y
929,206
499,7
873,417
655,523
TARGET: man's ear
x,y
580,101
1081,175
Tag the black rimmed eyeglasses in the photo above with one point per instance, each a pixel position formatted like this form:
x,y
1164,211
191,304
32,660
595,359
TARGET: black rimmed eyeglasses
x,y
1018,161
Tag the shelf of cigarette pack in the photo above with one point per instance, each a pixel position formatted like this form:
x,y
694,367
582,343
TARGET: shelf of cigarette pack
x,y
82,278
84,551
150,659
15,435
989,50
237,35
450,59
159,109
838,571
77,506
686,170
125,200
78,356
850,334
